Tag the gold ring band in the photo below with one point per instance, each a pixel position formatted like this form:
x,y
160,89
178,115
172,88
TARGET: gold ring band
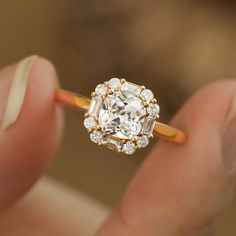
x,y
81,102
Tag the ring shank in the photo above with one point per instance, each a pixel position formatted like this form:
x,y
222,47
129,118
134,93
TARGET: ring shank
x,y
81,102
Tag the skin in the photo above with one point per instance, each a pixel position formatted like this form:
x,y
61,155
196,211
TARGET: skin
x,y
178,190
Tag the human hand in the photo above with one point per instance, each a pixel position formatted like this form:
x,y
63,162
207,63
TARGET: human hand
x,y
178,190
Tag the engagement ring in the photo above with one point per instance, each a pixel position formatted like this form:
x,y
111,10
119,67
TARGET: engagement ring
x,y
121,116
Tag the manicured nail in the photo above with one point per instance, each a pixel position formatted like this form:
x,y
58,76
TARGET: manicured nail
x,y
17,92
229,138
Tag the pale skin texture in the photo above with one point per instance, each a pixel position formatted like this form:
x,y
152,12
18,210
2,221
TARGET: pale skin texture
x,y
178,189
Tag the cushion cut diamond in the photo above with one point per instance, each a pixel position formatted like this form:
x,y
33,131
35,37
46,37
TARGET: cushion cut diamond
x,y
122,115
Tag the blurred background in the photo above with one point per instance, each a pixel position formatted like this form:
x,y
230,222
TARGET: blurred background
x,y
174,46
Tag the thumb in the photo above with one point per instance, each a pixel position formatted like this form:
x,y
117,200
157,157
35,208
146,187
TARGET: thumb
x,y
184,190
30,127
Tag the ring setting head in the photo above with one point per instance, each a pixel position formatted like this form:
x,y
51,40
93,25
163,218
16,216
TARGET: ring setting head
x,y
121,116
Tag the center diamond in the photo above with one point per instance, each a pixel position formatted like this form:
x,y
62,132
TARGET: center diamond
x,y
122,115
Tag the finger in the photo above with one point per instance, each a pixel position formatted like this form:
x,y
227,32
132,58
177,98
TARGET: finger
x,y
54,210
183,190
31,125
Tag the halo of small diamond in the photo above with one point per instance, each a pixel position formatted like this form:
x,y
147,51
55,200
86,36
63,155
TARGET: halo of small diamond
x,y
129,148
147,95
96,137
142,141
114,83
121,116
101,90
90,123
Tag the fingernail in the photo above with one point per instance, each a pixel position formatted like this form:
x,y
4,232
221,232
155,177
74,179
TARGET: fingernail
x,y
17,92
229,138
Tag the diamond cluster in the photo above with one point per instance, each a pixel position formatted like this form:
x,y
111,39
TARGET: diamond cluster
x,y
121,116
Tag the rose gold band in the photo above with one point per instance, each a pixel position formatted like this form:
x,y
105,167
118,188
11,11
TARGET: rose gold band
x,y
83,103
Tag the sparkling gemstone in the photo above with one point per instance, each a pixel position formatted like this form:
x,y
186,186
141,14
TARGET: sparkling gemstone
x,y
125,113
101,90
147,95
96,136
149,125
129,148
142,141
95,106
153,110
131,88
122,115
112,143
90,123
114,84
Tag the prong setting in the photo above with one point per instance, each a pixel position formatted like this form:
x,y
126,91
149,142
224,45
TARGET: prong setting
x,y
122,80
142,87
93,94
154,101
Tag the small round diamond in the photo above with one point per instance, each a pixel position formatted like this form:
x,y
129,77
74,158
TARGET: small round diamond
x,y
147,95
153,110
129,148
101,90
142,141
90,123
114,84
96,137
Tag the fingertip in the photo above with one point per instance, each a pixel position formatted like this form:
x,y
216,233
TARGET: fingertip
x,y
182,189
28,145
